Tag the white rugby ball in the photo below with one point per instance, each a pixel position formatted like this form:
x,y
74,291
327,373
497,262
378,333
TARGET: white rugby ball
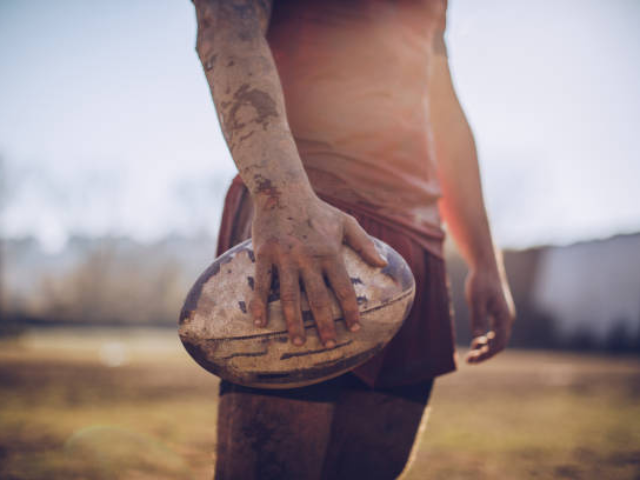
x,y
217,330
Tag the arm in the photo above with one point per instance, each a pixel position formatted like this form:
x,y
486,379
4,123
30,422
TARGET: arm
x,y
293,230
462,205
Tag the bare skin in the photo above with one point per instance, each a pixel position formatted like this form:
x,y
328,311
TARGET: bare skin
x,y
293,230
462,205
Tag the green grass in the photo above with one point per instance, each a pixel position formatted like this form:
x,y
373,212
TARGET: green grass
x,y
65,413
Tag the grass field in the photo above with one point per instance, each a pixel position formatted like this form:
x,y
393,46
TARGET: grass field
x,y
131,405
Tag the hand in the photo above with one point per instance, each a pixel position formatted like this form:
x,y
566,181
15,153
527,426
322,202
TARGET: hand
x,y
302,238
492,313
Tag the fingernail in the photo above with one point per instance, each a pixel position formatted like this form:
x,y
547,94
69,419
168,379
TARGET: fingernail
x,y
298,341
257,322
330,344
355,327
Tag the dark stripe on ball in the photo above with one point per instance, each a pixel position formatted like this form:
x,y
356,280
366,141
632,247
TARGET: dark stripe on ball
x,y
286,356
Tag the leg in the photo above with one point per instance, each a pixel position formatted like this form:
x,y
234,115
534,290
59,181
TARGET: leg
x,y
272,435
373,431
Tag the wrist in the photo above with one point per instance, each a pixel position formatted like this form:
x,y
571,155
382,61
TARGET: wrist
x,y
269,195
486,262
485,259
490,263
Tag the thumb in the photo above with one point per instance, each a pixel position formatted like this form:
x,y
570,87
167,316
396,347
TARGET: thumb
x,y
358,239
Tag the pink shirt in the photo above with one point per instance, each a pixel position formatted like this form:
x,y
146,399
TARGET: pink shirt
x,y
355,78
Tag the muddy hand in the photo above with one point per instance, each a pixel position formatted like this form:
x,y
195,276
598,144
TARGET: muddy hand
x,y
301,239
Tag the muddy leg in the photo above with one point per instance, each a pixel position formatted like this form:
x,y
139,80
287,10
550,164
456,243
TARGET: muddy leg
x,y
373,433
270,437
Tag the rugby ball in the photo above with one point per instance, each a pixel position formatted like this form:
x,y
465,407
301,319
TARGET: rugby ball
x,y
217,330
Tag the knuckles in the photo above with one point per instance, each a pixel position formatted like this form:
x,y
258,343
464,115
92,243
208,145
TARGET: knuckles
x,y
302,255
350,220
309,253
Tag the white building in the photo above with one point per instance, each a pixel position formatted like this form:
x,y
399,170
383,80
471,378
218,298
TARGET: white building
x,y
591,286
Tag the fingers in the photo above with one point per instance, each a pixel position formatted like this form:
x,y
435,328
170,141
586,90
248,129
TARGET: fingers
x,y
319,298
262,285
319,302
484,347
358,239
290,302
345,293
480,348
479,327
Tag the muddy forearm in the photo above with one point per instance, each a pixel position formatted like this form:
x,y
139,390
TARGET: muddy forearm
x,y
246,90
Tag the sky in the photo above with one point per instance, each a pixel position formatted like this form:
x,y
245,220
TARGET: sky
x,y
107,125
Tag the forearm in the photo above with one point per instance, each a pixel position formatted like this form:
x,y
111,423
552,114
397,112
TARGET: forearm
x,y
486,289
462,204
247,93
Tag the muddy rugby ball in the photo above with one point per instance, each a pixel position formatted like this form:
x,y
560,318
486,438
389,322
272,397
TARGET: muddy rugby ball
x,y
217,330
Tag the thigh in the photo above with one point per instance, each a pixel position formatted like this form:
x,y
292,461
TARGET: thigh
x,y
373,431
273,435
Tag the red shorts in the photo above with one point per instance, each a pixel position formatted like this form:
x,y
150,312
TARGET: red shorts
x,y
424,346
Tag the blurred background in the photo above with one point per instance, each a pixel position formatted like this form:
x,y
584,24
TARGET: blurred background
x,y
113,172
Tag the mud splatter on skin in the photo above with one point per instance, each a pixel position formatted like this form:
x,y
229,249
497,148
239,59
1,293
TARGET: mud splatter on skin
x,y
244,35
249,112
245,137
270,192
205,20
243,10
260,101
210,63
